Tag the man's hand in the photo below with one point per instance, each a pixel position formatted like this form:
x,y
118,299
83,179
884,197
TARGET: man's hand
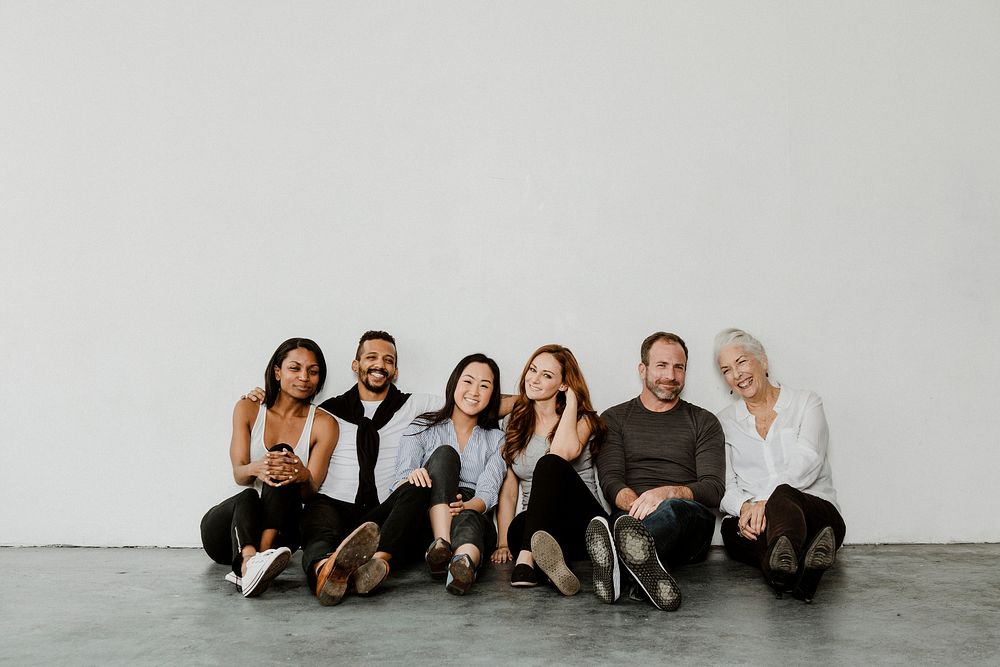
x,y
647,503
625,498
456,507
256,395
752,522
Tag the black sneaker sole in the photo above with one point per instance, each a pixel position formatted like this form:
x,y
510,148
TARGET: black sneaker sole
x,y
604,558
638,553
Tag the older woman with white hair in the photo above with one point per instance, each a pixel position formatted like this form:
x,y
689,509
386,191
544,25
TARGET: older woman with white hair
x,y
782,513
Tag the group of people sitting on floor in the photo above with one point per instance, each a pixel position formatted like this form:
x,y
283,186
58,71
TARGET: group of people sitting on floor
x,y
376,476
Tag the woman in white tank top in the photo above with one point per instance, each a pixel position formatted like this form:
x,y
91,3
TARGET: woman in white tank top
x,y
280,450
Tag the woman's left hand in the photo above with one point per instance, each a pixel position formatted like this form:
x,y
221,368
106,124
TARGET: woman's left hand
x,y
456,507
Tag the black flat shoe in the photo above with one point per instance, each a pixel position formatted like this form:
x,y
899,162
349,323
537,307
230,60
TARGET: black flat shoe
x,y
523,576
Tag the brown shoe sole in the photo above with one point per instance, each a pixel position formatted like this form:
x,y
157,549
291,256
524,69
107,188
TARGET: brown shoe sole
x,y
549,558
370,576
353,552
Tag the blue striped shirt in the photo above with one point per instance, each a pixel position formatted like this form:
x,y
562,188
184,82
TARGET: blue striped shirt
x,y
483,468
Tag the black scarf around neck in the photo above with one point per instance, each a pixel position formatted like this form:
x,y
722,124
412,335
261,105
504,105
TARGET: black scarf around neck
x,y
348,407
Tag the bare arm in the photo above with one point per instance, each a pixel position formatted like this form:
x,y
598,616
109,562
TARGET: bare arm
x,y
325,433
505,514
245,470
507,404
571,435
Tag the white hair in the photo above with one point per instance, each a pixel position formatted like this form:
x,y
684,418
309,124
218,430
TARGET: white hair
x,y
750,345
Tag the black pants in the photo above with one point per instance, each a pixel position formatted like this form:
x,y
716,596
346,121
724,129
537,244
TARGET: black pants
x,y
239,521
789,513
470,526
560,504
402,519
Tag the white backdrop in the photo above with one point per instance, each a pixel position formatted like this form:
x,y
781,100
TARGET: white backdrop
x,y
183,185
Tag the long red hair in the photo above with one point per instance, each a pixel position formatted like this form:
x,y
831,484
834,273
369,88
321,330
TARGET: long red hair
x,y
521,424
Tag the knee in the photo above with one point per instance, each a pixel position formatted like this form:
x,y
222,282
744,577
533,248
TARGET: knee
x,y
782,495
549,465
248,496
443,458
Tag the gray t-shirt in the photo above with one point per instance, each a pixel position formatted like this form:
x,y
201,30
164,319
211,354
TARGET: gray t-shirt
x,y
538,446
644,450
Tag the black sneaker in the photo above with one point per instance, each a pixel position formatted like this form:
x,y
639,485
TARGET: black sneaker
x,y
637,551
604,557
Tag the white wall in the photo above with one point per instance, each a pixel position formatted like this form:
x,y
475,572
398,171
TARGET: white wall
x,y
184,184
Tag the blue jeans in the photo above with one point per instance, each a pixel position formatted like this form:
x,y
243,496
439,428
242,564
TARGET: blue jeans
x,y
681,529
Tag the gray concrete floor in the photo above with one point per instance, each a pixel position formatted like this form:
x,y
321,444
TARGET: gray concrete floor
x,y
880,604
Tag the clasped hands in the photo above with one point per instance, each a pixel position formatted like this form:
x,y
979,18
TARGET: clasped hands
x,y
752,521
280,468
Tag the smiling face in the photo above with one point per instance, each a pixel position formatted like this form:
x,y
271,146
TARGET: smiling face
x,y
376,365
663,376
744,373
544,378
474,389
298,375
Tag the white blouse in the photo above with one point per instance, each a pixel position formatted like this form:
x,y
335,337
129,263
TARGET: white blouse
x,y
794,451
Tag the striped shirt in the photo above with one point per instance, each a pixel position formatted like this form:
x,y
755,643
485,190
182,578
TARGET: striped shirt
x,y
483,468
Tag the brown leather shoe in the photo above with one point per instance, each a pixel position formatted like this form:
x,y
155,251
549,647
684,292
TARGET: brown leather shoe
x,y
353,552
438,556
369,576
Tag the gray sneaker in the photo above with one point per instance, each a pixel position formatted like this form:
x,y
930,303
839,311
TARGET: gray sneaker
x,y
638,553
604,557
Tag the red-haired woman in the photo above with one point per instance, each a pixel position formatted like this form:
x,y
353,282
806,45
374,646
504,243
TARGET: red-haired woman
x,y
552,434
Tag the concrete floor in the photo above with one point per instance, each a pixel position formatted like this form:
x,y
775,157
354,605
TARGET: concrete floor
x,y
880,604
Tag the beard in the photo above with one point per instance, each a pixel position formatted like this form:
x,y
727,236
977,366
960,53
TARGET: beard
x,y
371,386
664,393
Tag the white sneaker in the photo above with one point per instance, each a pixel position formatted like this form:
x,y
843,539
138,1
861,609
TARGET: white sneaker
x,y
262,568
234,578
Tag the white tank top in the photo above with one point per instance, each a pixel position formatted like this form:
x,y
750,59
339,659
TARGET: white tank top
x,y
257,448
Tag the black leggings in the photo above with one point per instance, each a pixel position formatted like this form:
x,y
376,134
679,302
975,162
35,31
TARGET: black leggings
x,y
560,504
239,521
470,526
789,513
